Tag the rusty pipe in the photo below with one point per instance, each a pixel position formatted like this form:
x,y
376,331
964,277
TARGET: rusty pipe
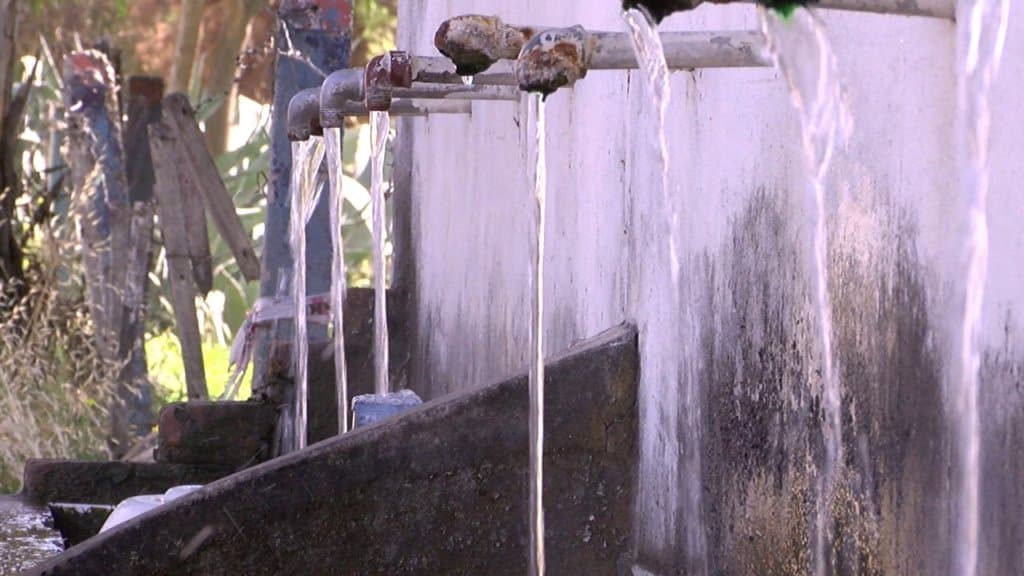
x,y
557,58
340,91
392,75
474,42
304,115
383,74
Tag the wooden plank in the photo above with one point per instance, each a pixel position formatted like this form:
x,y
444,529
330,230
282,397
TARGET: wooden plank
x,y
218,200
194,209
172,222
134,418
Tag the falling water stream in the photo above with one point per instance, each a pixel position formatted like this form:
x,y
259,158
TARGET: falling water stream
x,y
673,318
380,125
540,190
982,28
305,188
800,48
335,159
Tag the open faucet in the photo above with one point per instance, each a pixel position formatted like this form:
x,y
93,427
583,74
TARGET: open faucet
x,y
308,116
387,84
945,9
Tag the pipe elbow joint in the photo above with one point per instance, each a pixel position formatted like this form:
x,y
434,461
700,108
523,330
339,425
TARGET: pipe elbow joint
x,y
383,74
304,115
337,94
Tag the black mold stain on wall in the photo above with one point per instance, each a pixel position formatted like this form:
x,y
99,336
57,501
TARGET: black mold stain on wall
x,y
761,378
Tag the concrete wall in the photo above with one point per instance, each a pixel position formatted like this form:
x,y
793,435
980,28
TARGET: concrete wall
x,y
729,398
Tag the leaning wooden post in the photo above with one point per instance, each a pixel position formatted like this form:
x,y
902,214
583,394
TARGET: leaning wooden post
x,y
163,144
135,416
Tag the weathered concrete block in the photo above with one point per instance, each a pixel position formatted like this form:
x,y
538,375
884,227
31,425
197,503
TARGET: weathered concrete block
x,y
233,435
107,482
78,522
439,490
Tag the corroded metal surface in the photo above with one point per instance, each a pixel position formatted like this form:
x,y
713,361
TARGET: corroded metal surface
x,y
553,59
475,42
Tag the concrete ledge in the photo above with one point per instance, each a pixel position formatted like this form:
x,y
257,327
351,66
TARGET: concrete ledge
x,y
107,482
78,522
234,435
440,490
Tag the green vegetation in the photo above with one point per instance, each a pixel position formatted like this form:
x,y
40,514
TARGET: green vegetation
x,y
54,388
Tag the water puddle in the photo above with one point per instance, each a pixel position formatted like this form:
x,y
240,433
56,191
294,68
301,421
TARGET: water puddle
x,y
26,538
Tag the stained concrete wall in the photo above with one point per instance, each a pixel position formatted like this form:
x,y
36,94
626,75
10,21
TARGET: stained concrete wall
x,y
730,392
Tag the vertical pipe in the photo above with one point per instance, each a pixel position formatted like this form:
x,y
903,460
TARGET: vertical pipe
x,y
312,37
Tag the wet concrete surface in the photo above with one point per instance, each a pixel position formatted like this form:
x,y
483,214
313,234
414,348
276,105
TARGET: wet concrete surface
x,y
26,535
439,490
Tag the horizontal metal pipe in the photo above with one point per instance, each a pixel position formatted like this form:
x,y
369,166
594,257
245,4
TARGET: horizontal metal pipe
x,y
458,92
945,9
683,50
406,108
438,70
558,58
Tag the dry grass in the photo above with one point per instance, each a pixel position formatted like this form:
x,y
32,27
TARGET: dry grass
x,y
54,386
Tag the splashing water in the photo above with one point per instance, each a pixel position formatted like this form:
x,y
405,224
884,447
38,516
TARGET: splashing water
x,y
675,317
800,49
982,28
380,125
540,191
305,188
335,159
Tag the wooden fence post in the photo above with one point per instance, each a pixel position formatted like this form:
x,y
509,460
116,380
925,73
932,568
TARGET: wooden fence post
x,y
166,162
